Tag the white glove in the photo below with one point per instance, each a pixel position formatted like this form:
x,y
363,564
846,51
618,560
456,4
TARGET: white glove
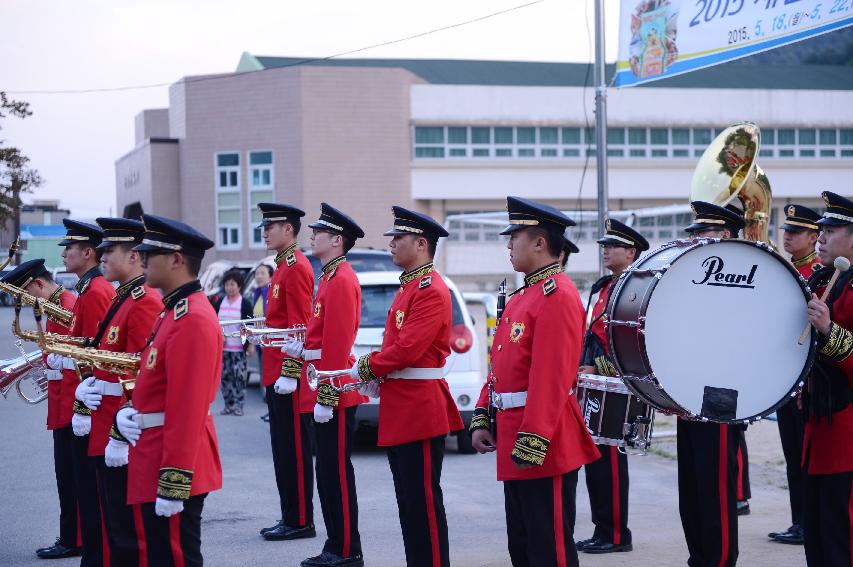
x,y
81,425
285,385
166,508
59,362
370,389
323,414
354,373
293,347
115,454
128,428
88,394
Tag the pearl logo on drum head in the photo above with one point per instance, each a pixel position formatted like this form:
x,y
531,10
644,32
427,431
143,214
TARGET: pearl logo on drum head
x,y
715,276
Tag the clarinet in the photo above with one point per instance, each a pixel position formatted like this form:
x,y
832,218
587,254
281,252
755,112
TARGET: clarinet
x,y
493,426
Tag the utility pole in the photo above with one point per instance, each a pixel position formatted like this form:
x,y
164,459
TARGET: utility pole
x,y
600,81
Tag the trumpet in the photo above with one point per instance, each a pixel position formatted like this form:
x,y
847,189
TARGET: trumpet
x,y
271,337
229,322
331,377
33,336
52,310
26,369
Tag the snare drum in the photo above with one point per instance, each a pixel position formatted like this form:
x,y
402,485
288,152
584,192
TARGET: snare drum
x,y
708,329
613,414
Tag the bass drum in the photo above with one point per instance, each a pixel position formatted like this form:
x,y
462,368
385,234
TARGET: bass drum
x,y
708,329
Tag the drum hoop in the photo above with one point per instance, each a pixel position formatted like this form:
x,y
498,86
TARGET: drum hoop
x,y
687,246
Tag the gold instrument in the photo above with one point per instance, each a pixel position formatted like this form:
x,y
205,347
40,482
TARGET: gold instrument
x,y
728,170
55,312
121,363
271,337
33,336
330,377
13,249
27,369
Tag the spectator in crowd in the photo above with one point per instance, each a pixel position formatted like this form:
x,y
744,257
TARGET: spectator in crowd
x,y
235,354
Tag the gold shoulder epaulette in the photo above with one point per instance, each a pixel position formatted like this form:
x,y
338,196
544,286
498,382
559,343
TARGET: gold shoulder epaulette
x,y
182,307
549,286
137,292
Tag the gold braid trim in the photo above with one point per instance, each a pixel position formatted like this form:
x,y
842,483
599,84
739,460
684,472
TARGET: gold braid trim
x,y
839,343
334,264
54,297
416,273
479,420
174,484
279,258
114,433
81,409
542,274
604,367
328,396
291,368
364,371
803,261
529,449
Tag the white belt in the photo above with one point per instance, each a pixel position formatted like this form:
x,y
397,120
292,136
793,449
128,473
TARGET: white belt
x,y
312,354
418,373
148,420
108,388
509,400
53,375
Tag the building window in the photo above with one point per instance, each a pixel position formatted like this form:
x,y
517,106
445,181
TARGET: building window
x,y
228,202
261,189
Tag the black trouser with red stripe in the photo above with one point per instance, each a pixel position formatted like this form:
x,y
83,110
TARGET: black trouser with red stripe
x,y
707,492
791,431
63,465
86,482
120,518
742,456
291,457
174,541
336,483
416,468
607,484
540,521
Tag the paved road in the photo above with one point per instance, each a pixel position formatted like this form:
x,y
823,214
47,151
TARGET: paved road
x,y
474,500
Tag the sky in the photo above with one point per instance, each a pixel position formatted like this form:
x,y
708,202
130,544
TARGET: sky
x,y
74,139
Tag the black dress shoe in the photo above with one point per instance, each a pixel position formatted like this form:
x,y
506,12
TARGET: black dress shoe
x,y
277,525
793,536
601,546
329,559
58,550
585,542
284,531
743,507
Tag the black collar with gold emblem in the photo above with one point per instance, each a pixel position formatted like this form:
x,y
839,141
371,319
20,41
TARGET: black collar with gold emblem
x,y
56,295
542,274
805,260
125,288
286,254
330,268
412,275
189,288
84,282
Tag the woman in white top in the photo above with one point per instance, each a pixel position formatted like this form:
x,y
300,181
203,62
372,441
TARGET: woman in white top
x,y
234,353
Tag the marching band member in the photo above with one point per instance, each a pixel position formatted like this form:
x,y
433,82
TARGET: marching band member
x,y
288,305
35,279
416,410
707,451
328,344
607,478
801,233
541,439
125,328
827,453
174,455
82,258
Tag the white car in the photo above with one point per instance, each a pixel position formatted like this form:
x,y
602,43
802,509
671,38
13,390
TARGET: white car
x,y
462,370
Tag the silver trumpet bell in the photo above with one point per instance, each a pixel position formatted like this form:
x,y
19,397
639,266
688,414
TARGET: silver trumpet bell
x,y
26,374
271,337
317,377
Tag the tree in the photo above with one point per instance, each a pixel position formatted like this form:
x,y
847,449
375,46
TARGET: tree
x,y
16,175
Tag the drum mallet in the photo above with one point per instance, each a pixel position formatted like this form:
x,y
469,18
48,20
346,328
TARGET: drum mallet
x,y
841,264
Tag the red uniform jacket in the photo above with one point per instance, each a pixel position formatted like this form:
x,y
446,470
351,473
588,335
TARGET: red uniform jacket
x,y
129,329
339,299
96,294
599,328
417,335
807,266
827,448
536,350
55,399
179,375
288,305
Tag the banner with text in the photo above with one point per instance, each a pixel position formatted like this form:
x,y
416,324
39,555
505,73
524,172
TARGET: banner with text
x,y
662,38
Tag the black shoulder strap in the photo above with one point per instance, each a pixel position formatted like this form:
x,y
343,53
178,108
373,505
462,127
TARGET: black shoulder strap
x,y
102,328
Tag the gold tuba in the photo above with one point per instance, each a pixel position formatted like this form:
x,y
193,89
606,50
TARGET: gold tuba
x,y
26,369
728,170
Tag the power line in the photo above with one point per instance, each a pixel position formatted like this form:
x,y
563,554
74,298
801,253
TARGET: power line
x,y
294,64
